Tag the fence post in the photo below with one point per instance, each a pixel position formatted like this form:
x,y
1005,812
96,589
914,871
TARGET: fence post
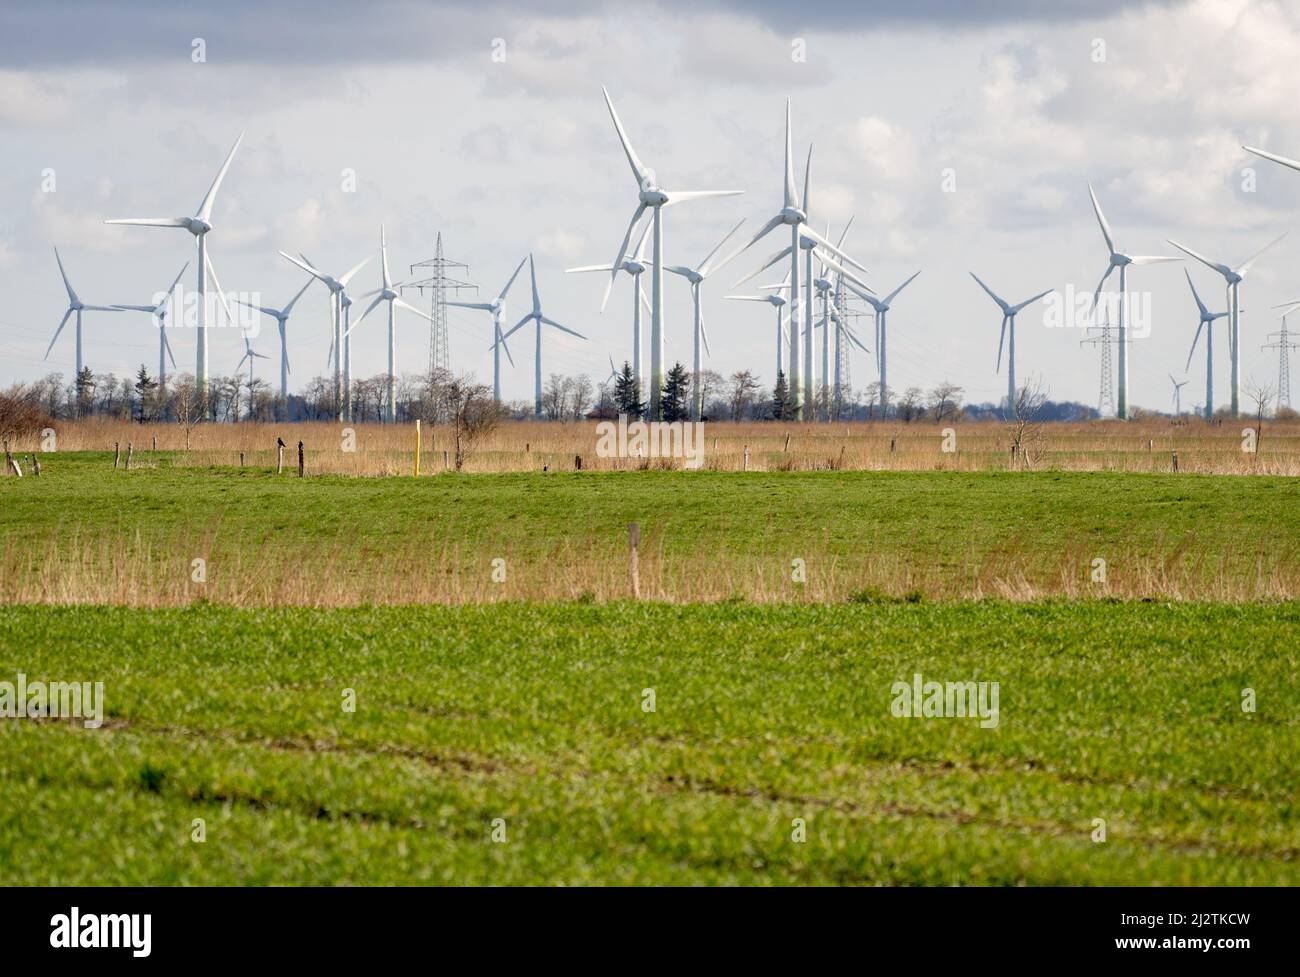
x,y
746,468
417,447
1175,461
130,450
300,460
279,455
36,466
577,463
117,454
241,460
634,543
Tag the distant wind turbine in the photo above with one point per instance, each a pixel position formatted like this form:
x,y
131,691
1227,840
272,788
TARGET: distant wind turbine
x,y
779,303
74,305
249,355
695,276
1233,277
1207,323
538,317
281,317
497,307
654,197
634,265
387,292
1178,394
198,225
1008,320
881,308
336,287
1120,260
159,312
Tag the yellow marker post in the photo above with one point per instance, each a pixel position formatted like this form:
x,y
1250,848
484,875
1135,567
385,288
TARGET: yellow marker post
x,y
417,447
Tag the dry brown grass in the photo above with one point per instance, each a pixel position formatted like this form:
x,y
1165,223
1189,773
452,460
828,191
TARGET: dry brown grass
x,y
380,450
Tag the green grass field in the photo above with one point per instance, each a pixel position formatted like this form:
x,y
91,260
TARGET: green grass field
x,y
1125,711
84,532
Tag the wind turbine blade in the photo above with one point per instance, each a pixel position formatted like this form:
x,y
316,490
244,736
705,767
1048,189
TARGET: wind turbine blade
x,y
1276,159
355,268
136,308
294,301
845,274
844,233
221,294
1199,304
63,322
703,269
383,257
532,271
783,253
1096,296
151,221
1223,270
304,265
1001,340
518,269
640,242
100,308
584,268
791,191
767,228
1101,219
168,347
681,196
1028,302
638,170
72,295
992,294
618,260
362,318
704,334
401,304
1255,257
504,345
284,348
552,322
1195,340
644,301
485,306
746,298
205,208
807,231
176,281
894,294
517,326
807,181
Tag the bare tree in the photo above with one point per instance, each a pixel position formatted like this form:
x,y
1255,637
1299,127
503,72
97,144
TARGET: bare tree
x,y
910,405
945,401
474,414
1028,443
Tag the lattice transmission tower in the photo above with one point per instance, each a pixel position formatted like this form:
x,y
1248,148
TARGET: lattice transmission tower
x,y
1104,340
1283,343
438,284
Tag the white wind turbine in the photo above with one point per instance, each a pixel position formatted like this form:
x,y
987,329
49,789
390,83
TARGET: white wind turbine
x,y
778,302
281,317
1207,323
654,197
1008,320
336,287
159,312
796,219
1234,277
695,276
249,355
1120,260
198,225
538,317
881,315
1178,394
387,292
74,305
634,265
497,307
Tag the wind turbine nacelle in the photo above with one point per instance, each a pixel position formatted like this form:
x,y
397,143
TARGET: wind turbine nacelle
x,y
652,196
196,226
793,215
633,267
776,300
823,284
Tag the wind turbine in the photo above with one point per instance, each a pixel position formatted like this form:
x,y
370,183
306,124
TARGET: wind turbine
x,y
796,219
1008,319
249,354
159,312
1120,260
778,302
198,225
387,292
1234,277
538,317
634,266
654,197
497,308
74,305
1207,323
336,287
695,276
281,316
1178,394
881,309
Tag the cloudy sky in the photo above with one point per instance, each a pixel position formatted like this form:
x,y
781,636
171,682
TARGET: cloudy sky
x,y
1014,105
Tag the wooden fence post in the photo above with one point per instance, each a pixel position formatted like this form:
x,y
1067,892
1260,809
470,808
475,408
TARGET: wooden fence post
x,y
746,462
279,455
1175,461
417,447
130,450
117,454
300,460
36,466
577,463
634,543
